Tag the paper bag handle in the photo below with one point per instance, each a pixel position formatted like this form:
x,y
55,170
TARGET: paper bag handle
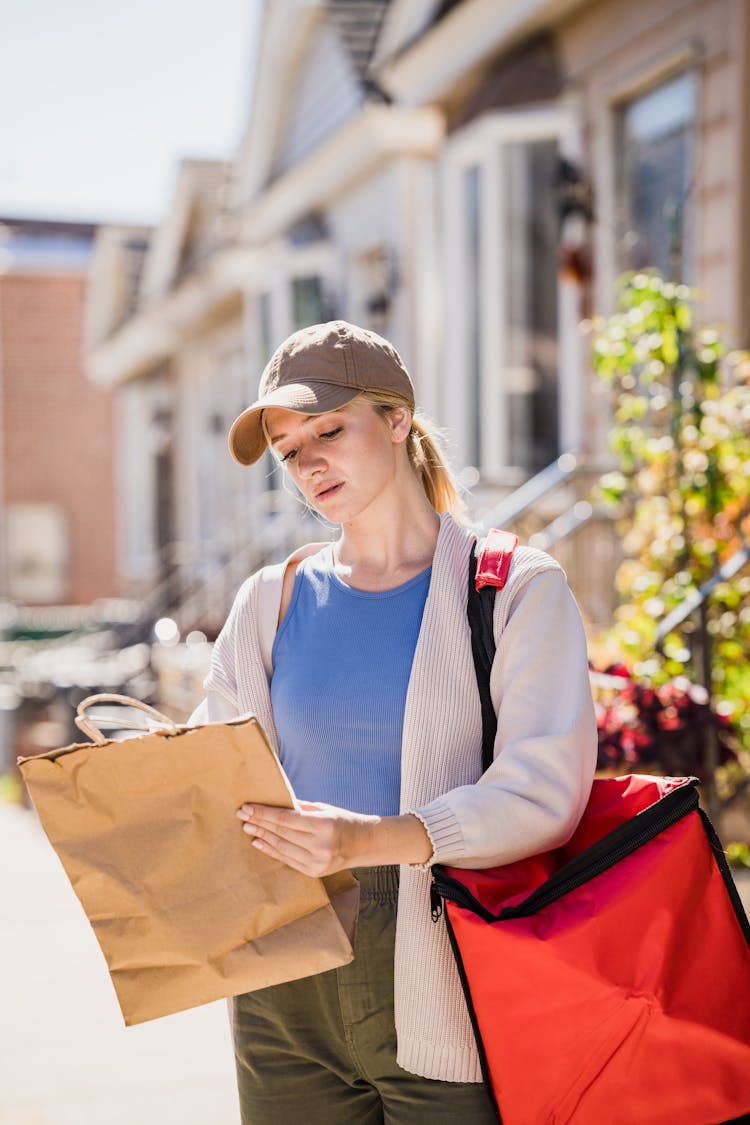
x,y
86,723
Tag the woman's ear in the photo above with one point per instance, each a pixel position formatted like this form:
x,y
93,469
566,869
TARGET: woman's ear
x,y
399,419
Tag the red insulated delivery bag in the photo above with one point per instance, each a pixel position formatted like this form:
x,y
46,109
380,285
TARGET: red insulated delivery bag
x,y
608,980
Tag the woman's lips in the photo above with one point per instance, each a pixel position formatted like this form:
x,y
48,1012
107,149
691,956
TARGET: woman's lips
x,y
328,490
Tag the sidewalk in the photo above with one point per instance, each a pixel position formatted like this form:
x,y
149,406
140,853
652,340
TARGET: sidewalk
x,y
66,1057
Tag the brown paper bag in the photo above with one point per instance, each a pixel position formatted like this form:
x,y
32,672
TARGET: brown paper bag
x,y
184,909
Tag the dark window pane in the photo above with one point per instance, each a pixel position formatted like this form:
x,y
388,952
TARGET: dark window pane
x,y
471,190
529,237
655,135
271,468
307,301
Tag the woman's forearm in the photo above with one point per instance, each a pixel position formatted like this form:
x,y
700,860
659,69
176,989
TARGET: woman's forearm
x,y
320,839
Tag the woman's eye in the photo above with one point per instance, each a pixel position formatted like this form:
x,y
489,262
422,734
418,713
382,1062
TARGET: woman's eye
x,y
327,435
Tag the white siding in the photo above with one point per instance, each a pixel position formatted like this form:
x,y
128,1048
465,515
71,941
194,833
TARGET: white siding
x,y
136,405
215,494
326,93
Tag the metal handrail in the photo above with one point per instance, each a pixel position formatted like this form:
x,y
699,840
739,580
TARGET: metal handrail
x,y
566,524
697,602
275,536
699,597
531,492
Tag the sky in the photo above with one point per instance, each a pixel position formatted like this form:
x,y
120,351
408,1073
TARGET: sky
x,y
100,99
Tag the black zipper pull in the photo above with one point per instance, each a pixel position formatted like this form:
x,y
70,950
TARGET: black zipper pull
x,y
436,903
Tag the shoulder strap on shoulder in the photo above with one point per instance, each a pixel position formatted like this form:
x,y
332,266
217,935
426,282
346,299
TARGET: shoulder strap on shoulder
x,y
495,558
487,573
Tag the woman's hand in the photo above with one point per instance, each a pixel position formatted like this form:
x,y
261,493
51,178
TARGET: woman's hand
x,y
319,839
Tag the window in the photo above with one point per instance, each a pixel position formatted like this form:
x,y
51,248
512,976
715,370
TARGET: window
x,y
271,469
655,138
511,354
37,553
529,264
473,327
307,302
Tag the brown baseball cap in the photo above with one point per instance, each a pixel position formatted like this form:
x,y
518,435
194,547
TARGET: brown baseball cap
x,y
316,370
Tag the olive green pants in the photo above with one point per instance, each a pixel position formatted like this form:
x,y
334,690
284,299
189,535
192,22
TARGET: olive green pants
x,y
323,1049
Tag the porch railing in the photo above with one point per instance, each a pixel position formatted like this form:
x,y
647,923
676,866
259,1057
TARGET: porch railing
x,y
696,605
553,511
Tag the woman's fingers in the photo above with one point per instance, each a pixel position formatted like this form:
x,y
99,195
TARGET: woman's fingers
x,y
283,849
282,820
310,841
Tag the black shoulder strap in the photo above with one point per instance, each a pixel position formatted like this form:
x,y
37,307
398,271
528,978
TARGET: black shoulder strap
x,y
489,567
479,609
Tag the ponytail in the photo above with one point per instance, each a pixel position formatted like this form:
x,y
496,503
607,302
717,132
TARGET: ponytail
x,y
427,458
431,466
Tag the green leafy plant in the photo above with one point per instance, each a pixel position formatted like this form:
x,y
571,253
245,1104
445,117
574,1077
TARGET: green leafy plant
x,y
738,855
681,490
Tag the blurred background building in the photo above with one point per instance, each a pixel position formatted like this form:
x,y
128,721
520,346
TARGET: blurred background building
x,y
58,544
466,177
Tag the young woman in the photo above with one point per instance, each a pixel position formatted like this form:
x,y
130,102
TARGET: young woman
x,y
355,656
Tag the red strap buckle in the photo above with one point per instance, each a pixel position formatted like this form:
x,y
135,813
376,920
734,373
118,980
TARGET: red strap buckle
x,y
494,562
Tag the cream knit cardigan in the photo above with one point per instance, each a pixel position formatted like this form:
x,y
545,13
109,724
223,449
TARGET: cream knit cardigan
x,y
529,800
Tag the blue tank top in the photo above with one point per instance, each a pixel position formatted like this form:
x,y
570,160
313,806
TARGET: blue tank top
x,y
341,665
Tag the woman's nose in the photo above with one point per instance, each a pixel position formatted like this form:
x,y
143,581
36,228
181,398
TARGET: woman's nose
x,y
309,461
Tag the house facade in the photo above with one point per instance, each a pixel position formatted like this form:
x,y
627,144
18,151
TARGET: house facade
x,y
57,489
469,179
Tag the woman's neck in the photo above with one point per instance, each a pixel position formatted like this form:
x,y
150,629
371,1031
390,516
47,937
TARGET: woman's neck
x,y
390,547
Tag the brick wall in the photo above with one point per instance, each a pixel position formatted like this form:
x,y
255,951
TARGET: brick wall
x,y
57,429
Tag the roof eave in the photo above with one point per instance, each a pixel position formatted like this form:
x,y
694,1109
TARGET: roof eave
x,y
376,134
156,332
473,32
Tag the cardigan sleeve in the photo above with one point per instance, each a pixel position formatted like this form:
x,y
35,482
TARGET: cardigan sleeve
x,y
533,795
221,702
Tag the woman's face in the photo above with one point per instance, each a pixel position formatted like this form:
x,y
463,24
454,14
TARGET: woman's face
x,y
344,461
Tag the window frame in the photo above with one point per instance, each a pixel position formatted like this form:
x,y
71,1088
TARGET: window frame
x,y
619,108
607,99
481,145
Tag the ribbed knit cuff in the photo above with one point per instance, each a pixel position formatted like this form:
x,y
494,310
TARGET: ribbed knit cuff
x,y
439,1061
444,831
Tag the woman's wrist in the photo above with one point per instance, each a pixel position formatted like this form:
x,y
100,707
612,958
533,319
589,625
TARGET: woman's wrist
x,y
391,840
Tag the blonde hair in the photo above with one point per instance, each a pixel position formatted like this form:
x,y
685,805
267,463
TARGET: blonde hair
x,y
424,448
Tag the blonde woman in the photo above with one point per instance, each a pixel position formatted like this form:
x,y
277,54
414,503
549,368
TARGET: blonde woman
x,y
355,656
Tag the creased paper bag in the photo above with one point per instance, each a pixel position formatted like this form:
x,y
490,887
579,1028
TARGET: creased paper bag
x,y
184,909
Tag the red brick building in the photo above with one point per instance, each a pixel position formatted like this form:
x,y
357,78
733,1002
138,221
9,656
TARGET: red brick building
x,y
57,508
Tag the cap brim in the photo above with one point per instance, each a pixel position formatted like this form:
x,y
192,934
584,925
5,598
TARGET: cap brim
x,y
247,442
